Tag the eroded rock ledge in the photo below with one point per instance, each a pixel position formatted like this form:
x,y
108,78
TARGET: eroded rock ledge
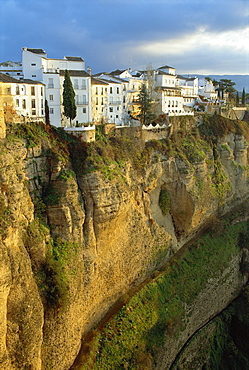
x,y
117,232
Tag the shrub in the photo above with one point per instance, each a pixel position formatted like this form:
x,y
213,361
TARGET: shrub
x,y
164,201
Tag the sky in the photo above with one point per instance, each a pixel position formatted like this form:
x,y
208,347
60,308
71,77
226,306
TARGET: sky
x,y
193,36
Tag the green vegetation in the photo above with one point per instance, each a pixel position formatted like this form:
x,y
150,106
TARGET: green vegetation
x,y
216,126
230,347
54,141
51,196
140,327
147,114
70,110
31,132
164,202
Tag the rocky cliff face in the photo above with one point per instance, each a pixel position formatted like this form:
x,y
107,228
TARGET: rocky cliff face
x,y
106,234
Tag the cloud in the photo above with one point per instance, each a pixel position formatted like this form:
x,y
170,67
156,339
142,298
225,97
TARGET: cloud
x,y
200,39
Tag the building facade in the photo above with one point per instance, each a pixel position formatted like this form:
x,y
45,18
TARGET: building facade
x,y
51,72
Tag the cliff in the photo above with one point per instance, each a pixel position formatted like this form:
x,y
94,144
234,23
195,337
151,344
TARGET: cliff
x,y
82,224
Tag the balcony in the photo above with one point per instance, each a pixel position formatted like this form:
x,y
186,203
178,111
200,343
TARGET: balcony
x,y
115,102
82,102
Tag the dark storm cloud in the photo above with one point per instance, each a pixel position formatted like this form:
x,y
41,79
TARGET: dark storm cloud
x,y
122,33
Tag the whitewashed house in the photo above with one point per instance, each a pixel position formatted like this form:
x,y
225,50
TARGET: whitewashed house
x,y
51,72
114,111
99,100
13,69
24,98
172,92
206,89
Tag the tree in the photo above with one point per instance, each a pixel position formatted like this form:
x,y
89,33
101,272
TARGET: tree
x,y
146,105
243,96
224,85
47,118
227,86
237,98
69,98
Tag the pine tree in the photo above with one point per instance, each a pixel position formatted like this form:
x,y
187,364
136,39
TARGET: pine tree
x,y
69,98
237,98
47,118
243,97
146,106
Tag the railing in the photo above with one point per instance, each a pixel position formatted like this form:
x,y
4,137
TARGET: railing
x,y
80,102
115,102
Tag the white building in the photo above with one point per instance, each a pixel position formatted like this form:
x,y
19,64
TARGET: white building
x,y
25,97
115,96
51,72
13,69
207,90
99,100
174,93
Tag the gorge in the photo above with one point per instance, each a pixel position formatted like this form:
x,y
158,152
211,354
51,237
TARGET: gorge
x,y
115,253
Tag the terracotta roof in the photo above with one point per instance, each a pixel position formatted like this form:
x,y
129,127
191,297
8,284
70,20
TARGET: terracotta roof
x,y
75,73
165,73
37,51
8,79
168,88
75,59
31,82
117,72
98,81
166,67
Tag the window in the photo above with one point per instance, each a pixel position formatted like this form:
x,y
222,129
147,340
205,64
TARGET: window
x,y
102,90
33,64
97,102
111,109
24,104
41,103
50,83
76,84
51,110
33,112
8,90
110,89
96,91
84,110
32,90
83,85
117,90
124,88
124,99
102,101
41,91
17,102
33,103
51,97
33,75
83,99
17,90
117,108
116,115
